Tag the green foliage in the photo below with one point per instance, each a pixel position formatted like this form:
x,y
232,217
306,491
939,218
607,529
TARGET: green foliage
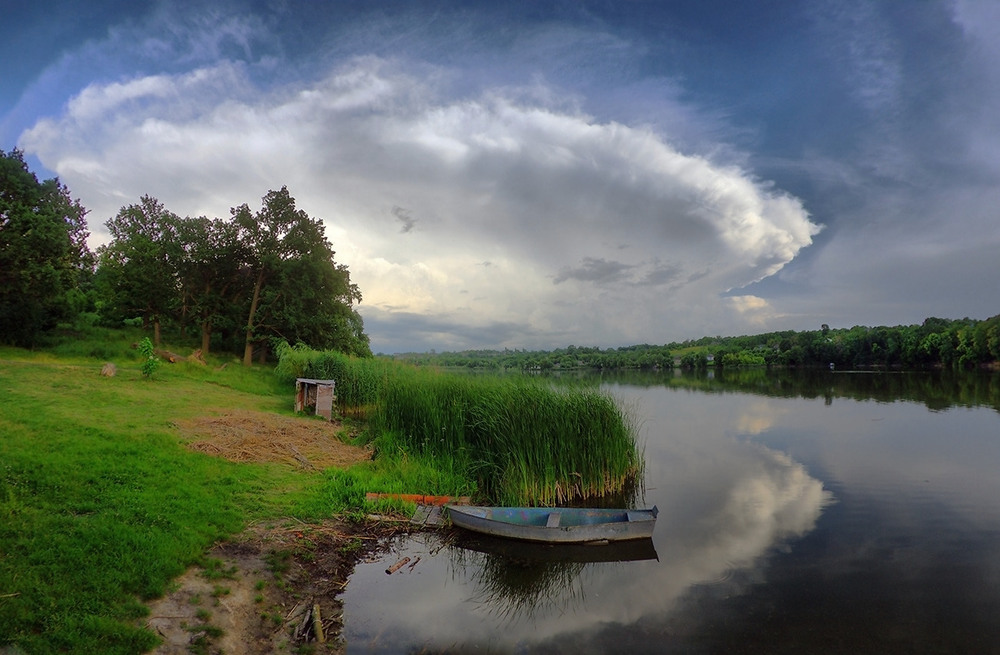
x,y
522,441
515,439
138,268
359,381
298,290
43,253
150,362
240,281
965,343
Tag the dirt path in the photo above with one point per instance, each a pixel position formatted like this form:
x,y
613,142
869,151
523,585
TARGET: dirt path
x,y
259,592
256,594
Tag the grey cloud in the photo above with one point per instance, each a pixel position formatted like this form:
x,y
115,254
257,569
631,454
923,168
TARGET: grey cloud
x,y
662,274
399,331
597,270
525,186
405,217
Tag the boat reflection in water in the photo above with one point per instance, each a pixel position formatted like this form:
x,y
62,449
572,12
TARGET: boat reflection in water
x,y
527,552
519,579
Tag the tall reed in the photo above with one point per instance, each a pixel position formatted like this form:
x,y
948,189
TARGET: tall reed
x,y
358,380
522,440
517,440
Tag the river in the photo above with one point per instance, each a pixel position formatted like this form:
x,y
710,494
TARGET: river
x,y
820,512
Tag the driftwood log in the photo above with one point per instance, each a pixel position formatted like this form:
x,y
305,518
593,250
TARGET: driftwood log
x,y
171,357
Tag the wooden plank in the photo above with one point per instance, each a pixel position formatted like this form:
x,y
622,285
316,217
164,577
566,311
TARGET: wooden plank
x,y
420,516
436,516
428,515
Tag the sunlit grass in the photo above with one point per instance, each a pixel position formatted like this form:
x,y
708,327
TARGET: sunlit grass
x,y
100,504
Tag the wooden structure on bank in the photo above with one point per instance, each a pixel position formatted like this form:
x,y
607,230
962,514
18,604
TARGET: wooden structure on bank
x,y
311,393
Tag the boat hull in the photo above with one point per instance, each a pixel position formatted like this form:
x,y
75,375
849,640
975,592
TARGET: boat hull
x,y
556,524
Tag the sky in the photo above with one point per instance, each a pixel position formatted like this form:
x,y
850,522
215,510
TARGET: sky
x,y
537,174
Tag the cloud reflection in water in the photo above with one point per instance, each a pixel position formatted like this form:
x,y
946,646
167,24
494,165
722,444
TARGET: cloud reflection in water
x,y
724,503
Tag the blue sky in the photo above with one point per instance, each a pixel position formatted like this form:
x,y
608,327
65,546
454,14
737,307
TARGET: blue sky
x,y
538,174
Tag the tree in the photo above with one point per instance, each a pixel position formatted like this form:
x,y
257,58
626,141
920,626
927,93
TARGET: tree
x,y
140,265
212,274
43,252
298,290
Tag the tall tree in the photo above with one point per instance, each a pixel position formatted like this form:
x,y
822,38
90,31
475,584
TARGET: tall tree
x,y
298,289
314,299
43,251
140,266
211,273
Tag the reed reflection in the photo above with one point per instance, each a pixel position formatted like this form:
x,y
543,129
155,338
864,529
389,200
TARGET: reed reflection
x,y
518,580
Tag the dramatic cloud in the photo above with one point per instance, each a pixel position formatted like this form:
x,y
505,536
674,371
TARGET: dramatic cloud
x,y
636,174
564,208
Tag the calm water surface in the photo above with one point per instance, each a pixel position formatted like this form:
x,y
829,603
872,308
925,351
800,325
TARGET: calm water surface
x,y
837,513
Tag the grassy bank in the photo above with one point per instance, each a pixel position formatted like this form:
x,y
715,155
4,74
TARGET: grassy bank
x,y
101,505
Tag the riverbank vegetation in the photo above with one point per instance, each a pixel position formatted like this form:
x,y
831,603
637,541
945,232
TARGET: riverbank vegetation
x,y
514,440
101,503
233,284
963,344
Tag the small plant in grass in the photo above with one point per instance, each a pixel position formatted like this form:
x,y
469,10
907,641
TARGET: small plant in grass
x,y
213,569
150,362
279,561
202,644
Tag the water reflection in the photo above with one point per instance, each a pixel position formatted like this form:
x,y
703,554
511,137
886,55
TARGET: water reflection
x,y
516,579
937,390
724,502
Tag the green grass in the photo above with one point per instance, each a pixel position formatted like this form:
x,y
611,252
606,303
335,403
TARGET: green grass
x,y
101,505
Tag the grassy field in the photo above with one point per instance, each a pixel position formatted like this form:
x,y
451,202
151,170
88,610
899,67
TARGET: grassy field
x,y
102,504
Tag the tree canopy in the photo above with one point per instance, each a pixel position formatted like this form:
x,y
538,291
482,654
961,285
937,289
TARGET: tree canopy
x,y
43,252
937,342
244,281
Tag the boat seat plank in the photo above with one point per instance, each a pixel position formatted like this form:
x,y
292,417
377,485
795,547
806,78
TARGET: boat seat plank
x,y
553,521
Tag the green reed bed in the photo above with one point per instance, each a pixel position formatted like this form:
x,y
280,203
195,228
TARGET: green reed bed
x,y
359,381
522,441
514,440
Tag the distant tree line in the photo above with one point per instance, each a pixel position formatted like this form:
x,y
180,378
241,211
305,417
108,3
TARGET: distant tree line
x,y
937,342
240,283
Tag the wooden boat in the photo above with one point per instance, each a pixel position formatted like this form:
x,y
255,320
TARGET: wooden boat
x,y
556,524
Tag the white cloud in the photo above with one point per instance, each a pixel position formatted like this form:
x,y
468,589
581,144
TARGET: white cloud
x,y
597,232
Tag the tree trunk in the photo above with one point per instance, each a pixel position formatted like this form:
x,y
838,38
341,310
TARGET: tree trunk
x,y
248,348
156,331
206,336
